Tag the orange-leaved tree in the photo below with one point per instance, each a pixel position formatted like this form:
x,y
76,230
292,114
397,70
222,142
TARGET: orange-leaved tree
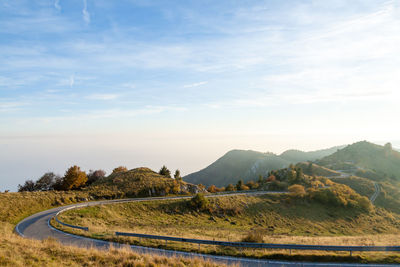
x,y
74,178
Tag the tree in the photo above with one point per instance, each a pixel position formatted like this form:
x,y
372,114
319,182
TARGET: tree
x,y
239,185
165,172
94,176
212,189
199,202
120,169
74,178
297,190
46,182
177,175
271,178
230,187
29,186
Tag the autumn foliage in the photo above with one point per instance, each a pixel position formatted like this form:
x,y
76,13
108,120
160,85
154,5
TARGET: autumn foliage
x,y
74,178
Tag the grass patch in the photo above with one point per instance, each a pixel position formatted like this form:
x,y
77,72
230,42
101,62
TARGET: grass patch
x,y
275,219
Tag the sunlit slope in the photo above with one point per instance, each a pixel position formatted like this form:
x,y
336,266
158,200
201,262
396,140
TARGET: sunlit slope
x,y
248,165
296,156
235,165
366,160
140,182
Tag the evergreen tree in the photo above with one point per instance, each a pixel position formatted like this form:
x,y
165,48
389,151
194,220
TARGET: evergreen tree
x,y
177,175
165,172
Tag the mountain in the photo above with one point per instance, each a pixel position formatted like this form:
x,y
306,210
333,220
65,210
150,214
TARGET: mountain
x,y
296,156
366,159
248,165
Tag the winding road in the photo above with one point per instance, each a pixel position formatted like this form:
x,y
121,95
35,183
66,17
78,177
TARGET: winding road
x,y
376,193
38,227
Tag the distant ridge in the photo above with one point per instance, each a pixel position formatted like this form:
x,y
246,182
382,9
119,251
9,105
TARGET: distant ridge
x,y
249,164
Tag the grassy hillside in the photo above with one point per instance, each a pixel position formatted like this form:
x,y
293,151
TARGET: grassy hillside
x,y
139,182
295,156
365,159
16,206
273,218
236,165
248,165
136,182
17,251
315,169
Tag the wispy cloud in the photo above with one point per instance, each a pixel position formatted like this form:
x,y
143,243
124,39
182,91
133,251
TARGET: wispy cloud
x,y
10,106
71,81
57,5
194,84
85,13
103,96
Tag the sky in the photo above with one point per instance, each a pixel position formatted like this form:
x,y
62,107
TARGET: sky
x,y
137,83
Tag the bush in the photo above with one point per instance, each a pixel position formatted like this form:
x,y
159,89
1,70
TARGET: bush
x,y
94,176
212,189
29,186
297,190
120,169
254,237
165,172
46,182
230,187
199,202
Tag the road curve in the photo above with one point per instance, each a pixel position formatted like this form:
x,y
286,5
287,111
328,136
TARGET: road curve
x,y
38,227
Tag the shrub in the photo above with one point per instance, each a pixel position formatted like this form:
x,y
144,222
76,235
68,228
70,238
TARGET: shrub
x,y
230,187
212,189
252,185
297,190
254,237
94,176
199,202
29,186
120,169
46,182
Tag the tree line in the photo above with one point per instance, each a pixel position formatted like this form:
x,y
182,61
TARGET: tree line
x,y
74,179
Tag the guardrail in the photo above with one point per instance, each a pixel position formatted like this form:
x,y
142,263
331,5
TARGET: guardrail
x,y
264,245
289,247
70,225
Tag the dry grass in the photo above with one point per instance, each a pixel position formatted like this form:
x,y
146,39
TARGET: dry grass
x,y
17,251
232,218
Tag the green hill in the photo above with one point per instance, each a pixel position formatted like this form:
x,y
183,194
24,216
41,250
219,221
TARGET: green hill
x,y
140,182
296,156
248,165
236,165
367,160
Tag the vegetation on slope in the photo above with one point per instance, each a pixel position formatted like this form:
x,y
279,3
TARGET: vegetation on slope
x,y
295,156
367,160
236,165
140,182
278,218
248,165
17,251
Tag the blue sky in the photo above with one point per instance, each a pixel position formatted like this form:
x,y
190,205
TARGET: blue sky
x,y
104,83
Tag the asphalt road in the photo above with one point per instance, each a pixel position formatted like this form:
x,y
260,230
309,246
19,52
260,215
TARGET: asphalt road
x,y
38,227
376,193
